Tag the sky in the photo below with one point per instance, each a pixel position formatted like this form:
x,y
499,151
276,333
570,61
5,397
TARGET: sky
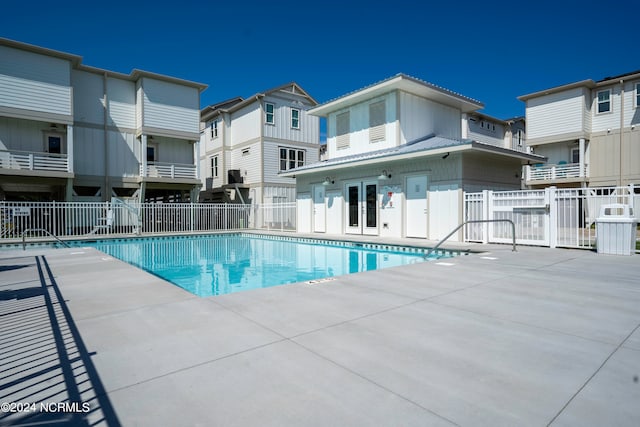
x,y
490,51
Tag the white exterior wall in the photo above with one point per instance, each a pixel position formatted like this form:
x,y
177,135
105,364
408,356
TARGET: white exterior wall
x,y
271,158
359,128
171,150
170,106
488,136
88,150
309,129
121,96
250,165
88,98
124,151
34,85
557,114
600,122
420,117
22,135
245,124
631,113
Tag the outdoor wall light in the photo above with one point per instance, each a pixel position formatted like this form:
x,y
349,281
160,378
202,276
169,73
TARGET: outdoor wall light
x,y
328,181
445,156
384,175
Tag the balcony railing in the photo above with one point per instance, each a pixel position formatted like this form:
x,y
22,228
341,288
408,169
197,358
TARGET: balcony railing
x,y
168,170
34,161
553,172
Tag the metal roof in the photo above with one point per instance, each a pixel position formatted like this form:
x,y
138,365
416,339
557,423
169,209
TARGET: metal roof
x,y
400,82
430,145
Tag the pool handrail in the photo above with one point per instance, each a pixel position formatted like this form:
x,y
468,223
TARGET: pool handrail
x,y
474,221
24,237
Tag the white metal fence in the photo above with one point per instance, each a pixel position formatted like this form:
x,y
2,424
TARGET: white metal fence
x,y
81,219
550,217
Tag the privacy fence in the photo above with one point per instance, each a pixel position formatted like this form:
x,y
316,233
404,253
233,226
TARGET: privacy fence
x,y
82,219
551,217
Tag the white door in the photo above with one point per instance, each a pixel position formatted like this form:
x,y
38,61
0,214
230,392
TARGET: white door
x,y
319,209
362,208
416,212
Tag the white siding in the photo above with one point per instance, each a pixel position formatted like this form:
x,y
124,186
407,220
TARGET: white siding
x,y
88,97
88,151
123,151
271,161
22,135
170,106
245,124
171,150
359,129
309,126
33,82
249,164
610,120
420,117
492,133
631,114
556,114
121,95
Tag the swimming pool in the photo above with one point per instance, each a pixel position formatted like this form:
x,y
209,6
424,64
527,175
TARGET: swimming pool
x,y
221,264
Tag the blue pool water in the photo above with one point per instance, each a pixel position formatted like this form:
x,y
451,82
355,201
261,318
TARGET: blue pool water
x,y
222,264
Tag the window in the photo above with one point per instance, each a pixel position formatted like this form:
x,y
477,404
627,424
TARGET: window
x,y
342,130
214,129
269,111
575,155
291,158
519,137
54,144
604,101
214,167
637,95
295,118
377,119
151,153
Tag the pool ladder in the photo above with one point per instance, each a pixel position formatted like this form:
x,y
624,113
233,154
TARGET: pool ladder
x,y
475,221
24,237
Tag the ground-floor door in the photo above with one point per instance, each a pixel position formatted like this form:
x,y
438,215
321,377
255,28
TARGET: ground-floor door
x,y
416,219
319,210
362,207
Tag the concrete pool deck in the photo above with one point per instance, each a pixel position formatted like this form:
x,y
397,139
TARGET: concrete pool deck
x,y
536,337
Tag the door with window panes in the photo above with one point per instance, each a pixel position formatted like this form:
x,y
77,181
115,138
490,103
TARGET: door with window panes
x,y
362,208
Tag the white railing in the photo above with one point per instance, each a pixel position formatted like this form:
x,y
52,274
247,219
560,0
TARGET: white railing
x,y
551,217
86,219
552,172
168,170
27,160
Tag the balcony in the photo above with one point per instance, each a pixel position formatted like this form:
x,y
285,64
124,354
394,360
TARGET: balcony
x,y
567,171
168,171
34,163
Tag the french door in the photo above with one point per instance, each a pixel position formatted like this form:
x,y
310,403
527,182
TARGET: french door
x,y
362,208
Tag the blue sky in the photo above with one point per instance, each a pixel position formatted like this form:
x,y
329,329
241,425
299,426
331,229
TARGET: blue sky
x,y
490,51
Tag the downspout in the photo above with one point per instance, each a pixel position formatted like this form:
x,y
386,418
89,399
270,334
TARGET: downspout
x,y
107,193
621,126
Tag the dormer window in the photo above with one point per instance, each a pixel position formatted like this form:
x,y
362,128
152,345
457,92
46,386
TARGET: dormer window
x,y
604,101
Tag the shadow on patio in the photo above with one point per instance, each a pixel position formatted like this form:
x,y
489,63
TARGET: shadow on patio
x,y
46,373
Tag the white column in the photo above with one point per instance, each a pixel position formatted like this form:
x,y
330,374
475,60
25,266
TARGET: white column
x,y
69,148
196,157
143,141
465,126
581,155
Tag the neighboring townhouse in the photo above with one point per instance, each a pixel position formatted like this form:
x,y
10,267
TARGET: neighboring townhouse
x,y
589,131
73,132
246,143
508,133
399,156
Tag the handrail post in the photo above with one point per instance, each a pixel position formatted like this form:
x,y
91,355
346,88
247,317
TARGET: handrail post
x,y
513,232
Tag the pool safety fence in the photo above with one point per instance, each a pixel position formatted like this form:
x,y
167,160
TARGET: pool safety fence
x,y
553,217
118,217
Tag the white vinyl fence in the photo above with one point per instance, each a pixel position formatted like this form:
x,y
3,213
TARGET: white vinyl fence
x,y
83,219
551,217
